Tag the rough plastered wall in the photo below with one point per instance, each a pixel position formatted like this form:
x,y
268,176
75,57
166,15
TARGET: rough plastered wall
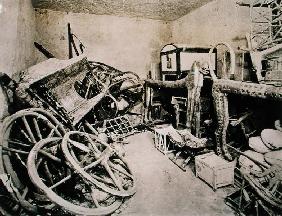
x,y
17,24
217,21
129,44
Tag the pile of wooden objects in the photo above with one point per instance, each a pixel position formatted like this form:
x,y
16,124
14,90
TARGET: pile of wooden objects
x,y
260,168
46,169
62,154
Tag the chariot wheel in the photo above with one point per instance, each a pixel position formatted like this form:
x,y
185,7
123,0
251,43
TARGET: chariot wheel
x,y
98,163
63,185
19,134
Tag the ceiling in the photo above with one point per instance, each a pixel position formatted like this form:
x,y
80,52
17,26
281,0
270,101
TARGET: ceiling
x,y
153,9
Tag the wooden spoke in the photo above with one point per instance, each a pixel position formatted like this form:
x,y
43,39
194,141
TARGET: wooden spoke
x,y
94,164
17,142
14,150
61,182
27,127
113,177
50,156
25,135
69,177
123,171
20,159
51,133
92,144
37,129
25,191
54,131
94,198
79,145
57,132
121,162
104,180
47,172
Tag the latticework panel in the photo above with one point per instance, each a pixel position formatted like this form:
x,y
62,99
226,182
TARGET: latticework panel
x,y
266,28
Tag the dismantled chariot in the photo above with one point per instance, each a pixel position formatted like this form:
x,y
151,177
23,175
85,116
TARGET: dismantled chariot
x,y
54,160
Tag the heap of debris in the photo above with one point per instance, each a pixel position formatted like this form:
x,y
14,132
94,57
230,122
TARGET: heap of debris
x,y
62,154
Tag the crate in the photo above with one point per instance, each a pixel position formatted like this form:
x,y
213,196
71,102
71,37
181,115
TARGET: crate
x,y
214,170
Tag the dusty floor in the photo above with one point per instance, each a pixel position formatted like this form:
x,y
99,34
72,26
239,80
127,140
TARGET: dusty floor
x,y
164,189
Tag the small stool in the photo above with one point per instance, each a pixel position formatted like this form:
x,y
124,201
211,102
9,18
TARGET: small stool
x,y
161,141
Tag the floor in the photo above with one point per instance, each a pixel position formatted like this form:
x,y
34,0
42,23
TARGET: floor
x,y
163,188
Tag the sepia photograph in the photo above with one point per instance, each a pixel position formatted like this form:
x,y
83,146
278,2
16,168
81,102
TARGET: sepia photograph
x,y
141,107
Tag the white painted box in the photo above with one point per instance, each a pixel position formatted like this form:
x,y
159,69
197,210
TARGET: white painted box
x,y
214,170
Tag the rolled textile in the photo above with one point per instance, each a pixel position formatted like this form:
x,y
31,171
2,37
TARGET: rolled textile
x,y
248,164
274,157
272,138
258,145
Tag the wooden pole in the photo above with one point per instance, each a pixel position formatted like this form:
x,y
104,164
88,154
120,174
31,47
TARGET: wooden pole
x,y
69,41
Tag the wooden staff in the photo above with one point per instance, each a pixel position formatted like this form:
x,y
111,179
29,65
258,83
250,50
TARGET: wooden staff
x,y
247,156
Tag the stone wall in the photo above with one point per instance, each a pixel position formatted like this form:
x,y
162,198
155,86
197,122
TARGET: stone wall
x,y
17,23
217,21
129,44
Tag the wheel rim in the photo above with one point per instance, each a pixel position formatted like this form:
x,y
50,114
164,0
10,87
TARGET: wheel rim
x,y
111,172
57,188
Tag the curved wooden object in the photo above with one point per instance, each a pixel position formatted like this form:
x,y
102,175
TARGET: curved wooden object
x,y
113,174
19,133
87,202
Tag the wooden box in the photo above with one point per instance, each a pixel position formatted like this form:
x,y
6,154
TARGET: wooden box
x,y
214,170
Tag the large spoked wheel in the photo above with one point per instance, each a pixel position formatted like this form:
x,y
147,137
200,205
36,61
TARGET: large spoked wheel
x,y
98,163
63,186
19,134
